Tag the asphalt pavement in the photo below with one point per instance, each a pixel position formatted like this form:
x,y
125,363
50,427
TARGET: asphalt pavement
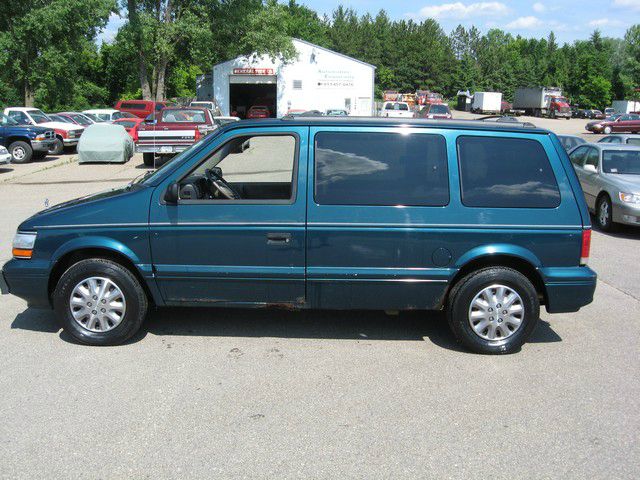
x,y
229,393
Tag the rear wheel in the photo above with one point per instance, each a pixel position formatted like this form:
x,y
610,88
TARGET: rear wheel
x,y
148,159
607,130
493,310
99,302
57,148
21,152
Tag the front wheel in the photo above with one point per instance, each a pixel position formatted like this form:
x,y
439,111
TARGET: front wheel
x,y
604,214
57,147
607,130
493,310
99,302
21,152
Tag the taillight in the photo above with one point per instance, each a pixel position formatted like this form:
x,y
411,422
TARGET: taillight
x,y
198,135
586,246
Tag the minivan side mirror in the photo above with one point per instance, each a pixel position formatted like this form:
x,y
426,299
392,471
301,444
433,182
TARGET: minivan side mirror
x,y
172,194
590,168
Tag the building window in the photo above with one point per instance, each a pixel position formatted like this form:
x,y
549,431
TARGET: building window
x,y
381,169
297,84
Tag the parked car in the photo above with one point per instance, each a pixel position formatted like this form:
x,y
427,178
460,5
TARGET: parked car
x,y
176,129
258,111
610,179
593,114
569,142
396,110
108,114
609,111
621,139
210,105
626,122
25,142
312,113
505,119
66,134
336,112
252,217
294,112
221,120
105,143
5,156
576,111
131,125
141,108
438,111
77,118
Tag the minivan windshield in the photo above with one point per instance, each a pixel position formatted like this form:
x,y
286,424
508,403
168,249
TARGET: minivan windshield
x,y
621,162
150,176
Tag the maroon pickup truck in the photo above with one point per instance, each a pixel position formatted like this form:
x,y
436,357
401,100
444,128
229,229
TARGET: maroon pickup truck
x,y
175,130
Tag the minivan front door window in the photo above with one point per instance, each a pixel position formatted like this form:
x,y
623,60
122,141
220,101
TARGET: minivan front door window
x,y
247,168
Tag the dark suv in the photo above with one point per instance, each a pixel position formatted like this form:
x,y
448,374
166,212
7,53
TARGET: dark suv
x,y
25,142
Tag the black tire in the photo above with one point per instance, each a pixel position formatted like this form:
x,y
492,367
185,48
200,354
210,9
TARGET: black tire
x,y
604,214
464,292
21,152
134,295
148,159
57,148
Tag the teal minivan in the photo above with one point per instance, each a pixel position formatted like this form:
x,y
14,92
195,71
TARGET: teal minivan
x,y
485,221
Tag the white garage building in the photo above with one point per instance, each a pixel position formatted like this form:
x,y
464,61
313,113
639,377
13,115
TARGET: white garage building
x,y
318,79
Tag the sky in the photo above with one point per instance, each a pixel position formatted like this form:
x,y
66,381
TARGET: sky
x,y
569,19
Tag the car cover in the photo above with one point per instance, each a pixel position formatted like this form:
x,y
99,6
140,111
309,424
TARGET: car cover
x,y
105,143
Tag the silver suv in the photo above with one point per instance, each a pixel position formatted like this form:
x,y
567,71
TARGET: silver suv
x,y
610,178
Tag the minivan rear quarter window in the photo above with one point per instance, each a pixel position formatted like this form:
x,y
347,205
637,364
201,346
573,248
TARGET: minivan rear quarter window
x,y
505,173
377,168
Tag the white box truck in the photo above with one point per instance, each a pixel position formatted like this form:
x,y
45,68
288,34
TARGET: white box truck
x,y
487,102
625,106
542,102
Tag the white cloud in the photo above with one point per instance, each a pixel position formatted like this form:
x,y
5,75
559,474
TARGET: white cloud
x,y
539,7
606,22
459,10
108,33
525,23
631,4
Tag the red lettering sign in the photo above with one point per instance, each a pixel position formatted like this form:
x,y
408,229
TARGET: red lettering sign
x,y
253,71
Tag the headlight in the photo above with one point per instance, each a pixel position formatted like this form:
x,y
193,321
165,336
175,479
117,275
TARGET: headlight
x,y
629,197
3,151
41,137
23,244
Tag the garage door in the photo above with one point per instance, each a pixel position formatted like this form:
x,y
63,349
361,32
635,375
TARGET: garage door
x,y
253,79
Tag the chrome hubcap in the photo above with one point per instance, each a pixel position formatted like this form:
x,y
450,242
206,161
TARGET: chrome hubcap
x,y
18,153
604,213
496,312
97,304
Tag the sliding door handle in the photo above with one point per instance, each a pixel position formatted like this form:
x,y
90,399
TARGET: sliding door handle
x,y
278,238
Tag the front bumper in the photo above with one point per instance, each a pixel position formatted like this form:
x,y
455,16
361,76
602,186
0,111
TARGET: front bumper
x,y
28,280
568,289
626,213
70,142
41,145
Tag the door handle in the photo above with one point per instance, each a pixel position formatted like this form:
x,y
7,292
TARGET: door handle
x,y
278,238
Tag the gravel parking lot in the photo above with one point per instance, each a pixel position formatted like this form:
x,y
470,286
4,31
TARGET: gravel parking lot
x,y
271,394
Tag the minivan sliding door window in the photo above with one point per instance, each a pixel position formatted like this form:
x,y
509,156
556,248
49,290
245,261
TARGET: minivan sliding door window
x,y
377,168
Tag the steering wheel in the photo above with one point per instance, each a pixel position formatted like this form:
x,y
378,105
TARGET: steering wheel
x,y
214,175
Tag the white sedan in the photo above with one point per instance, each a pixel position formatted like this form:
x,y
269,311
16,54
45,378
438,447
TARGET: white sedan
x,y
5,156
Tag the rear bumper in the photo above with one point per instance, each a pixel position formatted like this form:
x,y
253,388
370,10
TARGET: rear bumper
x,y
20,278
161,149
568,289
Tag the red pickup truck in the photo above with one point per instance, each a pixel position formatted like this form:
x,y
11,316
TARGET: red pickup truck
x,y
175,130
